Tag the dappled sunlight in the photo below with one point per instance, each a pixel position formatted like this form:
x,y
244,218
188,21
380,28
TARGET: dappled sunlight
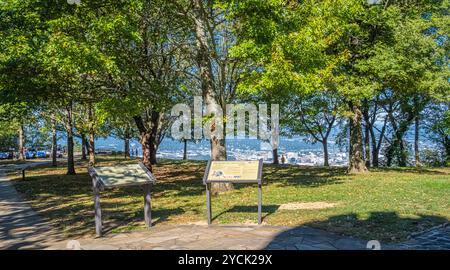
x,y
363,205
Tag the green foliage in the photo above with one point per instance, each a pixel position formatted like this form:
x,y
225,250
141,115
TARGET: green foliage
x,y
313,115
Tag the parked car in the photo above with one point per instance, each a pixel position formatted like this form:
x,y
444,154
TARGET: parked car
x,y
42,153
30,153
6,155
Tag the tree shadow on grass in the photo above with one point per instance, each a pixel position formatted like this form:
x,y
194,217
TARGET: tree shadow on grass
x,y
66,202
265,211
122,220
288,175
351,232
78,219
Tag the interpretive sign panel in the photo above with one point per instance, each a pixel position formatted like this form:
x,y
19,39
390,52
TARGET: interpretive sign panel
x,y
244,171
234,171
120,176
126,175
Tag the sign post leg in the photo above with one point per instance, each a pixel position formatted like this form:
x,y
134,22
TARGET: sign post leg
x,y
259,203
208,203
98,211
147,205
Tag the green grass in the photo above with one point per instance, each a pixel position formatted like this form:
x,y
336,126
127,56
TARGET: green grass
x,y
386,204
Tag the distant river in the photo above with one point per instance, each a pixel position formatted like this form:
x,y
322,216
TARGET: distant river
x,y
236,148
297,150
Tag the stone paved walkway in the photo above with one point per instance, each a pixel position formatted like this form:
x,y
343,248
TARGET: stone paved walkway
x,y
218,237
20,226
434,239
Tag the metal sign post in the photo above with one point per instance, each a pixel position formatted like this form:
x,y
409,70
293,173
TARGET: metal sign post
x,y
247,172
112,177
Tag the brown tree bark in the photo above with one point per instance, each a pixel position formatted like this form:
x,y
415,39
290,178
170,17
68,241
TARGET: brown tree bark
x,y
21,143
91,147
326,162
153,150
70,144
126,148
185,149
446,143
367,145
397,147
367,127
54,143
83,147
416,141
146,154
91,136
376,146
148,134
356,158
275,156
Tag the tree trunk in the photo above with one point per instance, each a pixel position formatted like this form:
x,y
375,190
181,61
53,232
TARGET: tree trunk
x,y
91,149
275,156
54,143
389,155
86,145
397,148
21,143
446,143
185,149
376,146
367,145
325,153
83,147
148,137
155,126
403,155
356,159
367,130
91,137
146,154
153,150
375,154
126,148
70,144
218,150
416,141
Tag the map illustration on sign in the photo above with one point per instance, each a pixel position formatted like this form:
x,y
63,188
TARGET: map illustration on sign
x,y
233,170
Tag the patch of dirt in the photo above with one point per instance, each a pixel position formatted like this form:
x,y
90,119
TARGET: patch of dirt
x,y
202,223
306,205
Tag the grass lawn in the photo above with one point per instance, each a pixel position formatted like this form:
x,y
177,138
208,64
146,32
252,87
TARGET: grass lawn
x,y
387,204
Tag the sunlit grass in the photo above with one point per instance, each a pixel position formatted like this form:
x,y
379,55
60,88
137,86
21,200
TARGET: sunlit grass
x,y
387,204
